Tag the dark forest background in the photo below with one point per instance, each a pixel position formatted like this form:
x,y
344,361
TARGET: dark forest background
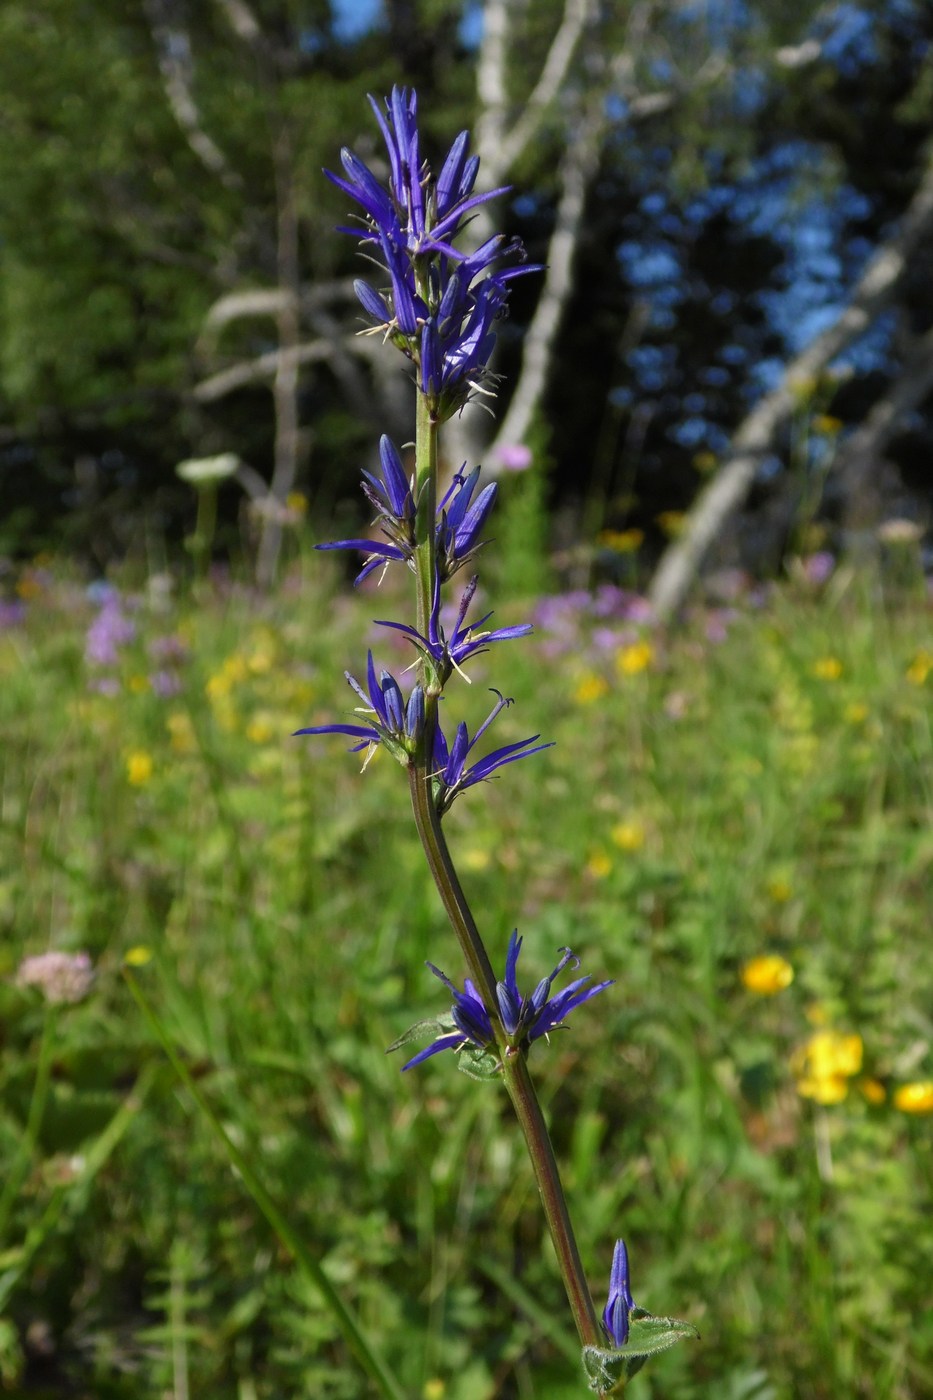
x,y
713,187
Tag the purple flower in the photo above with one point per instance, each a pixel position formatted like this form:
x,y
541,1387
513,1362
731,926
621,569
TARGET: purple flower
x,y
470,1017
438,305
110,630
454,774
514,457
392,500
396,725
524,1019
818,568
528,1018
449,653
620,1305
460,519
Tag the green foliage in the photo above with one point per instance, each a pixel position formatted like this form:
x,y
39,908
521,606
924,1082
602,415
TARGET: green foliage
x,y
649,1336
706,804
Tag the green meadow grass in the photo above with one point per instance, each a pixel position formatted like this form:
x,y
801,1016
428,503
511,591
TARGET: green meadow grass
x,y
706,803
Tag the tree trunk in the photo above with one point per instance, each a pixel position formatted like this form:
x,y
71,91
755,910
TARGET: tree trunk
x,y
756,436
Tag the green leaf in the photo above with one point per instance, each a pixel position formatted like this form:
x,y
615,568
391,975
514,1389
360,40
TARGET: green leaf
x,y
477,1063
423,1030
648,1335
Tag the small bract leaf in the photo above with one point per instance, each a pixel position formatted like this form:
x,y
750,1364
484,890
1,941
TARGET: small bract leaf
x,y
648,1335
423,1030
478,1063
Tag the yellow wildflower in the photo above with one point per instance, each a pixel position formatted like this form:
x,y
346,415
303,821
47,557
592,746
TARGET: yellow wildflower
x,y
827,668
826,423
824,1065
705,462
297,503
139,767
260,729
29,587
920,668
873,1090
634,658
233,670
856,712
137,684
779,888
672,522
621,541
915,1098
181,732
767,974
475,858
589,688
599,865
138,955
628,835
434,1389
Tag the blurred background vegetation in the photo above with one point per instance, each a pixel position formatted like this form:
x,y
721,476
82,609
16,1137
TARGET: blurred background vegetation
x,y
715,405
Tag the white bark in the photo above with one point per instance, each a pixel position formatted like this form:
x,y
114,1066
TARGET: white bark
x,y
173,53
755,437
577,170
859,457
499,146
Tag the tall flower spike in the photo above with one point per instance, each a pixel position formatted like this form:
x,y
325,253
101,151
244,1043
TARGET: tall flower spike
x,y
619,1307
396,725
439,305
524,1021
454,774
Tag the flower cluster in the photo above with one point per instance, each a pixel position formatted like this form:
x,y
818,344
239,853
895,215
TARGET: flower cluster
x,y
524,1019
460,519
439,309
60,977
447,654
438,305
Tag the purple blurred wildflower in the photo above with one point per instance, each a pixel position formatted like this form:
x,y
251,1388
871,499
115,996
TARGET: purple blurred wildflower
x,y
438,305
818,568
524,1019
449,653
453,775
110,630
620,1305
395,725
514,457
12,612
165,683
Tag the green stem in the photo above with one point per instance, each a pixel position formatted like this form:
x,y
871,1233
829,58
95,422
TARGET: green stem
x,y
40,1093
448,885
515,1069
528,1110
426,429
305,1260
427,820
